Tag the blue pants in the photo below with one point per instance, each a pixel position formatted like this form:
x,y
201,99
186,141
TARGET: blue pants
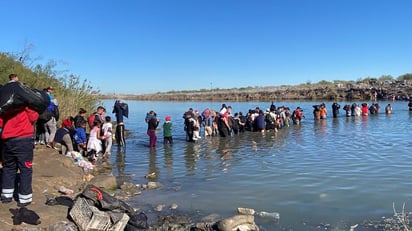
x,y
18,155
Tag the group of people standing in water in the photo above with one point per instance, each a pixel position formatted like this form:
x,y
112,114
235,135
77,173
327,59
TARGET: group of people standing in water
x,y
225,123
353,109
364,109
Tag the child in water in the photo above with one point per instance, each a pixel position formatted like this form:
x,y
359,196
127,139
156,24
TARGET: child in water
x,y
107,137
167,130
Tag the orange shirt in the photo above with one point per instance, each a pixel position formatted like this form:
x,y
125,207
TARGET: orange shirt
x,y
323,111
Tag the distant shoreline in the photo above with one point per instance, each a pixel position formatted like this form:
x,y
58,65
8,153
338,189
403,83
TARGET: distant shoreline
x,y
370,90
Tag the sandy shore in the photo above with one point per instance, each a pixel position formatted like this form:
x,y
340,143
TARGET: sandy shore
x,y
51,170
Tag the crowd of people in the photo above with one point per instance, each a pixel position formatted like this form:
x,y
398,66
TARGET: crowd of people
x,y
98,141
225,123
30,117
364,109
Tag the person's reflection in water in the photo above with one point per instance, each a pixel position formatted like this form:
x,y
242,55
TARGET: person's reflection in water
x,y
120,161
153,170
225,152
168,158
299,139
120,165
320,127
190,157
224,148
121,148
335,123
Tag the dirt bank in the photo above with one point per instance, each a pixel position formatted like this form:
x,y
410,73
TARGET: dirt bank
x,y
51,170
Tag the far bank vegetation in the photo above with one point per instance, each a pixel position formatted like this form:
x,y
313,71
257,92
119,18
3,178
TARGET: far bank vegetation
x,y
384,87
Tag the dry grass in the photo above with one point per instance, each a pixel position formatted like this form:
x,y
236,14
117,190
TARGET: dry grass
x,y
402,217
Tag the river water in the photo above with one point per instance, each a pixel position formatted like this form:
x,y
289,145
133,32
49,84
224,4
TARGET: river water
x,y
335,172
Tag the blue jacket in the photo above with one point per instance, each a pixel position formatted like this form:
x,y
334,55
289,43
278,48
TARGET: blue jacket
x,y
80,136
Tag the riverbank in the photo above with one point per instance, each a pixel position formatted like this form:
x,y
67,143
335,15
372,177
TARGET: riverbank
x,y
51,170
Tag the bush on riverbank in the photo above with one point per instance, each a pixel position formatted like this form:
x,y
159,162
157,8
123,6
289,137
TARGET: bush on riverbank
x,y
70,91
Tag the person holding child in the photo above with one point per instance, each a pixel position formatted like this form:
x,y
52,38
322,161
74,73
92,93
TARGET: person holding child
x,y
152,123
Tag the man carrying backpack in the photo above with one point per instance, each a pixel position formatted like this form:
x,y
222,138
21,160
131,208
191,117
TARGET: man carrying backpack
x,y
98,115
17,124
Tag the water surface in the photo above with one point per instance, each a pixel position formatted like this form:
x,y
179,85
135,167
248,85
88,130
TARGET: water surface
x,y
336,171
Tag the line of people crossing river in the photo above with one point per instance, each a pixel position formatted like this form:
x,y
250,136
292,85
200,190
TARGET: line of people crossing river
x,y
225,122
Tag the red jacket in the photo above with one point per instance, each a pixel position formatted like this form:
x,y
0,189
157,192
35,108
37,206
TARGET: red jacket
x,y
18,124
364,110
298,114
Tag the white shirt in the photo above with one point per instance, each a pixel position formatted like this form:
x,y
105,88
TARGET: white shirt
x,y
107,129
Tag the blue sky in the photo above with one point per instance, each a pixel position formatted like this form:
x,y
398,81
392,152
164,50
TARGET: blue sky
x,y
146,46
